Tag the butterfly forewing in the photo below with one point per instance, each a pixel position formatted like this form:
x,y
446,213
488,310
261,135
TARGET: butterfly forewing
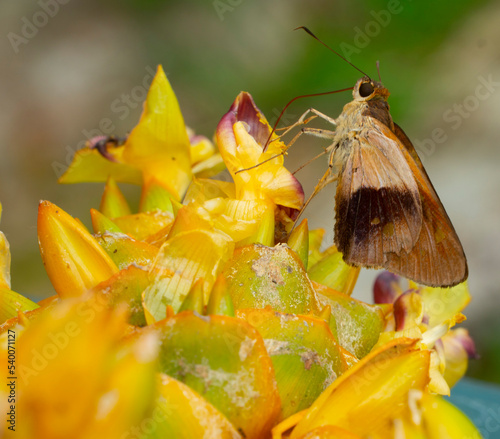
x,y
378,203
388,214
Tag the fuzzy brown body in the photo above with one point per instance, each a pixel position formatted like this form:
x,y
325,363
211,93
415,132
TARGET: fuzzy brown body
x,y
388,214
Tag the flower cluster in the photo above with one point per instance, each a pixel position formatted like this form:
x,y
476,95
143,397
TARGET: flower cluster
x,y
208,314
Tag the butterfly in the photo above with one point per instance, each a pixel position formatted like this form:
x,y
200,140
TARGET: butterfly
x,y
387,212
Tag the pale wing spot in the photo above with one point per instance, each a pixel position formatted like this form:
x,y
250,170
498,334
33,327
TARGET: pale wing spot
x,y
439,235
388,229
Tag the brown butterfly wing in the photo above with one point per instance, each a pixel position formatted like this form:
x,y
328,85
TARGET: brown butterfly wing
x,y
383,179
438,258
378,207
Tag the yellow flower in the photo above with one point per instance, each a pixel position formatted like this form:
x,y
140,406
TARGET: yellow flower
x,y
158,149
360,399
212,317
242,136
73,259
427,314
75,378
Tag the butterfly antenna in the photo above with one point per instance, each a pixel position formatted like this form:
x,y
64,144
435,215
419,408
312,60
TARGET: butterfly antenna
x,y
378,71
329,48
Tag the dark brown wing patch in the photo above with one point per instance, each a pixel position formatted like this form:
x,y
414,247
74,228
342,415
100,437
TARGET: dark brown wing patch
x,y
388,213
378,204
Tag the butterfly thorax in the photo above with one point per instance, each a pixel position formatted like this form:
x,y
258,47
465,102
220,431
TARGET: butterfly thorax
x,y
358,115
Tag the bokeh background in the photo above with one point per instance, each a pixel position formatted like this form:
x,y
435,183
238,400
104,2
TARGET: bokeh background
x,y
71,66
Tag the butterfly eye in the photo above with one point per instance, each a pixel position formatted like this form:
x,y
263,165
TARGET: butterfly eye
x,y
366,89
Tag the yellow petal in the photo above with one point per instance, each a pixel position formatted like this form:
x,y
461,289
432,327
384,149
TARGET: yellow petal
x,y
182,260
330,432
159,145
181,413
437,383
89,165
73,259
209,167
358,401
242,134
102,224
299,241
11,303
65,390
113,203
442,304
157,148
203,189
201,148
458,347
259,215
245,221
332,271
143,225
125,250
442,420
155,196
315,239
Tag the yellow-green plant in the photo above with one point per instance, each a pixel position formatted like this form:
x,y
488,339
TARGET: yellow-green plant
x,y
204,315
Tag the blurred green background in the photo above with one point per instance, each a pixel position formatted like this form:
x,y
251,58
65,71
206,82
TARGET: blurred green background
x,y
68,65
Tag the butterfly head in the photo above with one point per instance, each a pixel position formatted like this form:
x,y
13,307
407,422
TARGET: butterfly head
x,y
367,89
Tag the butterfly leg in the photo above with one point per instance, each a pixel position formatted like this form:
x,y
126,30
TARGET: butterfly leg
x,y
324,181
303,121
318,132
325,134
323,116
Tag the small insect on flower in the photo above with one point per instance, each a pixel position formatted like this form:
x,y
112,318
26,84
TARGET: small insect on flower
x,y
103,143
387,213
